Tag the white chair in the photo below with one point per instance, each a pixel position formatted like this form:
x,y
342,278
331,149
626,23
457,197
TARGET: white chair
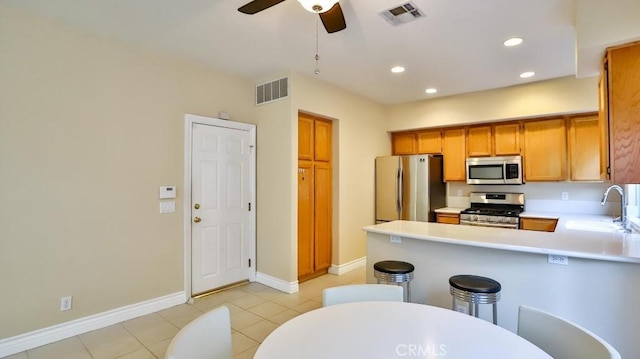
x,y
560,338
362,292
206,337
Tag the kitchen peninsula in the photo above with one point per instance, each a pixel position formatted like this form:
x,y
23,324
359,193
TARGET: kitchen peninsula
x,y
594,287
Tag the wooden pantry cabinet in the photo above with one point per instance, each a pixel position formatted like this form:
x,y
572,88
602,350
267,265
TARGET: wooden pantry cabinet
x,y
314,196
620,114
545,150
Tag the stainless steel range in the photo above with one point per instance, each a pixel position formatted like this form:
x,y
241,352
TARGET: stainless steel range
x,y
493,209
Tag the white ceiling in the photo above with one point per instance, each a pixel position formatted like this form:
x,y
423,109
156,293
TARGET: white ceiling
x,y
456,48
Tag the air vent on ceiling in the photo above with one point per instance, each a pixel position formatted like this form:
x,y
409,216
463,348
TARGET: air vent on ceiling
x,y
272,91
402,14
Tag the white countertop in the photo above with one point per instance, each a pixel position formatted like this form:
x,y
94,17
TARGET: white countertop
x,y
452,210
617,247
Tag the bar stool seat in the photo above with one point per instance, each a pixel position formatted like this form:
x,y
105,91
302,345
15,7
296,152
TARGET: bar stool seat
x,y
397,272
475,290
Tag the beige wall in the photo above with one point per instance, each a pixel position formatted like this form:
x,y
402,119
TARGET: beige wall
x,y
276,211
359,136
359,127
89,129
558,96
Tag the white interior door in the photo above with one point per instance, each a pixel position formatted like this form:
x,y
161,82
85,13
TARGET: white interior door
x,y
222,222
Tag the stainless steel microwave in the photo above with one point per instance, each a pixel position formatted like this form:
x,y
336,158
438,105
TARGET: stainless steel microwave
x,y
494,170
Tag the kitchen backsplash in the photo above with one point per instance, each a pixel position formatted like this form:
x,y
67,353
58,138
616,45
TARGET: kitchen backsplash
x,y
581,198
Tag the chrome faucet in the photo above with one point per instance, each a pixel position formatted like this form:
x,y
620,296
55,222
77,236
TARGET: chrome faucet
x,y
623,216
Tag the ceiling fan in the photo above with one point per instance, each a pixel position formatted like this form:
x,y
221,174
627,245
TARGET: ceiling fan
x,y
329,10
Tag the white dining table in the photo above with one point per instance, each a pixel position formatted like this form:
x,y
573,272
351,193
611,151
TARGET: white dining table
x,y
392,330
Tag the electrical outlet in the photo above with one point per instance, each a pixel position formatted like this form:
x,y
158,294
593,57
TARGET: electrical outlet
x,y
556,259
395,239
65,303
565,196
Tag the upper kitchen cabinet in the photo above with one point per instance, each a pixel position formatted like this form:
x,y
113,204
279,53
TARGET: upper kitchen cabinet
x,y
479,141
545,150
620,112
454,154
584,156
494,140
430,142
506,139
404,143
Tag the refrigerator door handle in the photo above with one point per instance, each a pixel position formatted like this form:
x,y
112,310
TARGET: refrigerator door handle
x,y
400,184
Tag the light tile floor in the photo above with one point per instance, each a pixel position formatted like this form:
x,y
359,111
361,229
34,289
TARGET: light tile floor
x,y
256,310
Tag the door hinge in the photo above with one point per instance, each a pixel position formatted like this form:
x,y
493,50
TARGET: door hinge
x,y
249,262
249,206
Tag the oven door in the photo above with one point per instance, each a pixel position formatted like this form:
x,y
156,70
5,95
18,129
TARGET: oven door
x,y
489,224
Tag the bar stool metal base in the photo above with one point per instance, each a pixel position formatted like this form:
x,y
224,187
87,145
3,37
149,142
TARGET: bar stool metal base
x,y
394,272
475,290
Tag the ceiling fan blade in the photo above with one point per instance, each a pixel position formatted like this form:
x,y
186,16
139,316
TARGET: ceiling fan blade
x,y
257,5
333,20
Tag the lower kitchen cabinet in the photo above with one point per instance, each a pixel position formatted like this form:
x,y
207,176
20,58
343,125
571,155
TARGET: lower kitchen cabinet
x,y
448,218
539,224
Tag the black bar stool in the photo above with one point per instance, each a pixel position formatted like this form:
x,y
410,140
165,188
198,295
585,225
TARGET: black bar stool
x,y
394,272
475,290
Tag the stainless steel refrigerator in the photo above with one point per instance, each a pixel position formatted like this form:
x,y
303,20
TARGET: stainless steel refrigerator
x,y
409,188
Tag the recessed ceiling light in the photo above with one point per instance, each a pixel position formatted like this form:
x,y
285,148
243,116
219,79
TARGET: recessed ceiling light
x,y
526,75
397,69
514,41
431,91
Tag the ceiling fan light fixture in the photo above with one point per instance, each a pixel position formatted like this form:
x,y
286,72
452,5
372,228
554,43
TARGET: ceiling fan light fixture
x,y
317,6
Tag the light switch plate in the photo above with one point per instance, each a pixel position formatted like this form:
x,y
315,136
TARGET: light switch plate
x,y
167,207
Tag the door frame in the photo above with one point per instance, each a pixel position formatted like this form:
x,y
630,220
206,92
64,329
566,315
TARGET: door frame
x,y
190,120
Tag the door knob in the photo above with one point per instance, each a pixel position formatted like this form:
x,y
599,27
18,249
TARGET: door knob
x,y
196,206
197,219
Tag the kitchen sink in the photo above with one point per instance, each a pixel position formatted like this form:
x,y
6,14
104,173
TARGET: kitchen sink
x,y
604,225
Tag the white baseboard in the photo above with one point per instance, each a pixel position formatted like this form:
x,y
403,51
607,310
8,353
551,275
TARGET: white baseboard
x,y
348,267
277,283
61,331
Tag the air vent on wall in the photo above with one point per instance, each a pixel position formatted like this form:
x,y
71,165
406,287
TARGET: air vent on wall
x,y
272,91
402,14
